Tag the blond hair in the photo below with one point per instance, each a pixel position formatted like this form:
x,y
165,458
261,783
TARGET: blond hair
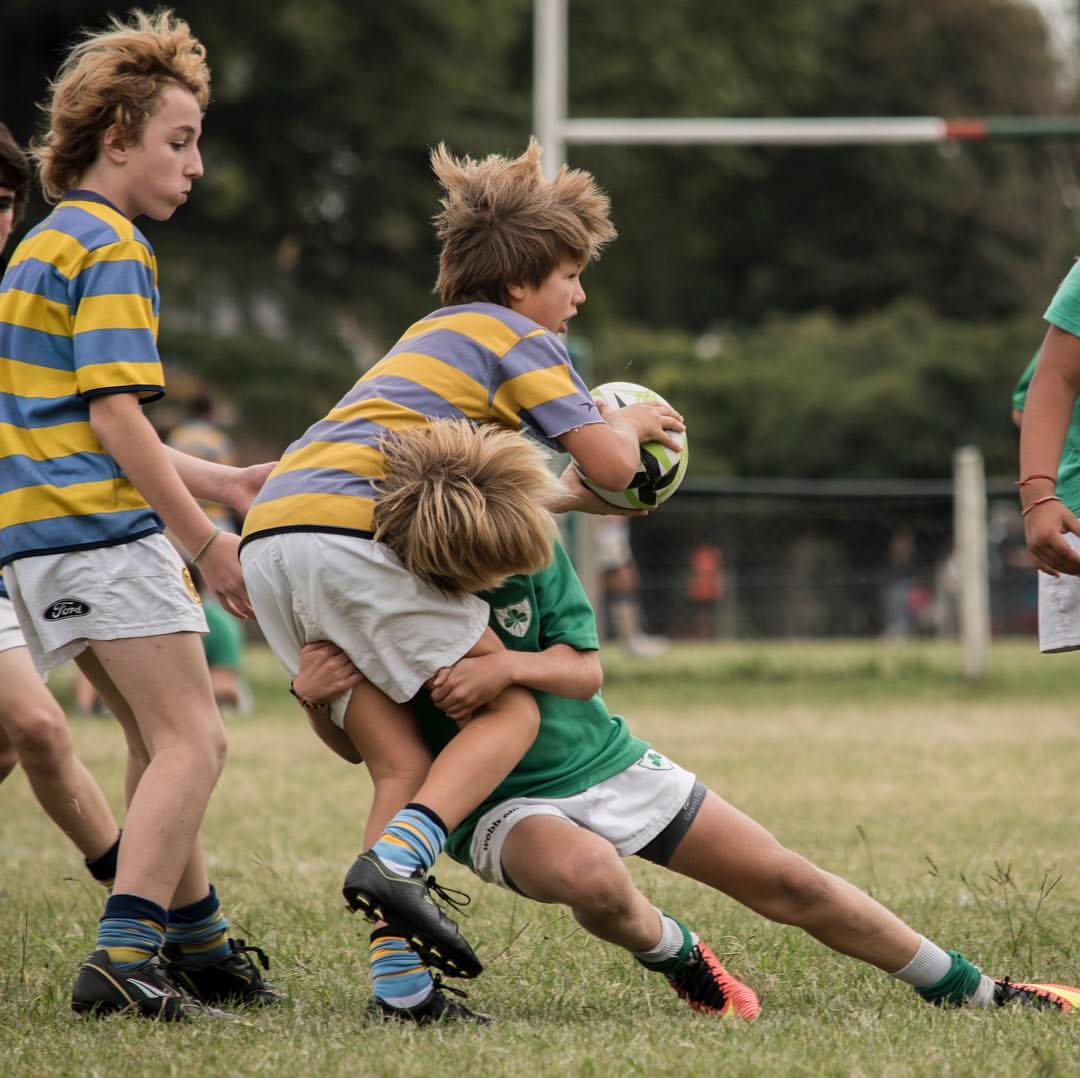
x,y
114,77
465,507
502,223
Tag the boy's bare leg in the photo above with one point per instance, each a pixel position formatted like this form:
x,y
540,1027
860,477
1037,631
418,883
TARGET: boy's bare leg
x,y
386,736
729,851
387,881
165,683
36,727
486,749
551,860
194,882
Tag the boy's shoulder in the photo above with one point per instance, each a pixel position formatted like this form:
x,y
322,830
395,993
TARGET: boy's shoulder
x,y
489,324
90,221
78,232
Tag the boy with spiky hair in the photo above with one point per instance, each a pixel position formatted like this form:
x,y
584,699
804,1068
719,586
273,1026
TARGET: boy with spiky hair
x,y
90,490
514,247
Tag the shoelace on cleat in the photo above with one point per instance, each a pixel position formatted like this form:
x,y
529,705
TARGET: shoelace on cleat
x,y
439,985
457,900
241,947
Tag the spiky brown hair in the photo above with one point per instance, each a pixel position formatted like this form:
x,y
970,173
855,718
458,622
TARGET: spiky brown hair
x,y
504,223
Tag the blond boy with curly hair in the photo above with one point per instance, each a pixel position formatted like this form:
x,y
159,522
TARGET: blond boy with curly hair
x,y
91,490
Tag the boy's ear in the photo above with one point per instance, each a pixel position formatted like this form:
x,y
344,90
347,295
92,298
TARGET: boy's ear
x,y
113,145
516,292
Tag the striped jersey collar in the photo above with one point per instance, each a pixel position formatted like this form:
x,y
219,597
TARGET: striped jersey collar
x,y
90,196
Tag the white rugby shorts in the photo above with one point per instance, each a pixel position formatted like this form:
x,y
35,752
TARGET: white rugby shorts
x,y
130,590
629,809
11,636
398,631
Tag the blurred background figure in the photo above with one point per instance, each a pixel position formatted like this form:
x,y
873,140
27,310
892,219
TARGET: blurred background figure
x,y
14,186
706,587
224,647
620,583
904,599
202,435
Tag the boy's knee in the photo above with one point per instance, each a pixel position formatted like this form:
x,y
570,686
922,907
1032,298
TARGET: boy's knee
x,y
39,736
597,884
799,888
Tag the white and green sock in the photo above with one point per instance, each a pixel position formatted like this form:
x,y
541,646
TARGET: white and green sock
x,y
946,978
675,944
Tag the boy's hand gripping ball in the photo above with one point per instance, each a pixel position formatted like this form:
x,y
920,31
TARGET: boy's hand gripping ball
x,y
662,469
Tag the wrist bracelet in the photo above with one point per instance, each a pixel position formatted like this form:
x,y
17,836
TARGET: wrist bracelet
x,y
1038,501
1035,475
203,549
307,705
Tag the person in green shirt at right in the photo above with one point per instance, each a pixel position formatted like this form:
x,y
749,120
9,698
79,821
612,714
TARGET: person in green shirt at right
x,y
1059,596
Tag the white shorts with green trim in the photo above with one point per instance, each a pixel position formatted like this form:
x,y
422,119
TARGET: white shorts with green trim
x,y
630,810
135,589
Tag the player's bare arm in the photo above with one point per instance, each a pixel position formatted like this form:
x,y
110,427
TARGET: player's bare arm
x,y
470,683
221,483
127,435
1054,388
576,497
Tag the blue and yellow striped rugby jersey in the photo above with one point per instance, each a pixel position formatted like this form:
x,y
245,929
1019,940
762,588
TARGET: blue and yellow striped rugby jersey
x,y
477,361
78,318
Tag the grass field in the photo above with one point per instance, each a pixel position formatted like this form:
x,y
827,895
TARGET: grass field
x,y
956,805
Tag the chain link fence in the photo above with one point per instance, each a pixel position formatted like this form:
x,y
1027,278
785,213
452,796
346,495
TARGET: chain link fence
x,y
757,559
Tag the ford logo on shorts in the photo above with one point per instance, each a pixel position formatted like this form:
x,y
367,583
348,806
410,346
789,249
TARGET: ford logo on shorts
x,y
67,608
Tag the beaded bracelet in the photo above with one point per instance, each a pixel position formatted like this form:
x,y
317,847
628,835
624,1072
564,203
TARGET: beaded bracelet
x,y
1038,501
307,705
202,550
1036,475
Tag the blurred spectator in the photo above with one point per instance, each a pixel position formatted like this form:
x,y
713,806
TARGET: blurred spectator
x,y
14,186
202,436
224,647
1014,584
706,586
620,583
904,599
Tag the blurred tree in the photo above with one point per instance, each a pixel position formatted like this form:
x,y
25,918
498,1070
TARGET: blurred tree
x,y
731,235
308,245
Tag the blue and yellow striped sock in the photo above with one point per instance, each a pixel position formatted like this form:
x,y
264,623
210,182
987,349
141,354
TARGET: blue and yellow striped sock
x,y
412,840
131,930
199,931
398,976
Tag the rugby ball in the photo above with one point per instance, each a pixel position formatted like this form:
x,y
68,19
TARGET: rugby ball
x,y
662,470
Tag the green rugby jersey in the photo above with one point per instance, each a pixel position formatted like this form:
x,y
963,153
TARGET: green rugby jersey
x,y
580,743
